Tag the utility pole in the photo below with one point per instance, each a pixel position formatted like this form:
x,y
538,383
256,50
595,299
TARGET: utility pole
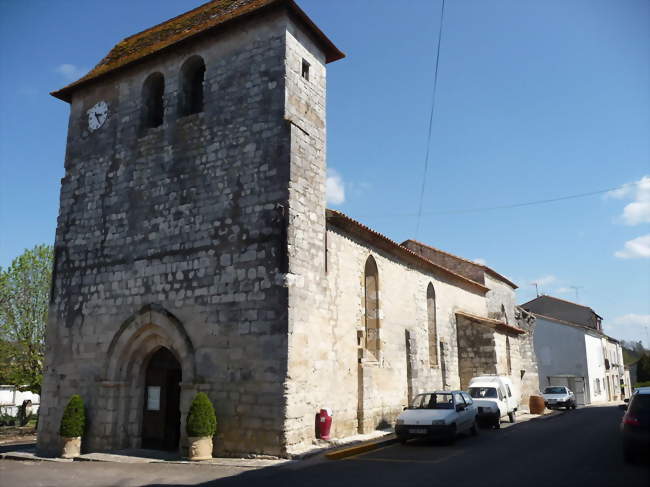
x,y
575,288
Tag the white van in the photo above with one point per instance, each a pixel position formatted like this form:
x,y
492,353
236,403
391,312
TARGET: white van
x,y
495,398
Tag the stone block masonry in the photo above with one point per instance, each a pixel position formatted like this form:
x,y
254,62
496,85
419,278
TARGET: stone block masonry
x,y
176,237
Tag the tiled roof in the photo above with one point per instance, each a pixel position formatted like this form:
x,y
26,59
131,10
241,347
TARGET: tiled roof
x,y
200,20
575,325
482,266
344,222
499,325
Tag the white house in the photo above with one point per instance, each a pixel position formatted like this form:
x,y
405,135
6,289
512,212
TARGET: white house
x,y
573,351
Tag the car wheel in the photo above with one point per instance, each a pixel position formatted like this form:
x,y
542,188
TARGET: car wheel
x,y
474,429
403,440
512,417
573,406
497,423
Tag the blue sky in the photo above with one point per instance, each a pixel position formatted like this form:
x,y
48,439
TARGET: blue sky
x,y
535,100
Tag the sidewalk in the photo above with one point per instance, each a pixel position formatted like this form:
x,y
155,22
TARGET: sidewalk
x,y
332,450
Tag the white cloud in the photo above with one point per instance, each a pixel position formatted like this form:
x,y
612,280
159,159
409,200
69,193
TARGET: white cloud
x,y
544,280
631,327
70,72
637,248
335,189
564,290
638,211
480,261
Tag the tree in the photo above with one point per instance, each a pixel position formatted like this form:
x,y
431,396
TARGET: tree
x,y
24,293
643,369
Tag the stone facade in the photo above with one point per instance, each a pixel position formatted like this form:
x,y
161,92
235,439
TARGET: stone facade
x,y
208,236
178,237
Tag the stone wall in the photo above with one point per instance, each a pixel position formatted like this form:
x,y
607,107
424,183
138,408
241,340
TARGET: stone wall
x,y
188,220
477,354
367,392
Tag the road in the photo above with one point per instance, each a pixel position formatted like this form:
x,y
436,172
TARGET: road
x,y
578,448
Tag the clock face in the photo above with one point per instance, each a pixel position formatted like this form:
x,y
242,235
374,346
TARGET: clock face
x,y
97,115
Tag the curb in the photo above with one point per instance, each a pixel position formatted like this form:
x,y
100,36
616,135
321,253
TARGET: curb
x,y
26,457
355,450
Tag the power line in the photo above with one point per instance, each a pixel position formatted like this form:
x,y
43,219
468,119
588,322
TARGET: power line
x,y
503,207
433,106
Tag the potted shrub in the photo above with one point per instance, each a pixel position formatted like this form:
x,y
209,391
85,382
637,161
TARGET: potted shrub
x,y
201,427
72,427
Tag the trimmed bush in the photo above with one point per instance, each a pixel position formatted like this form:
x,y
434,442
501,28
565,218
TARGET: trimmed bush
x,y
201,420
73,421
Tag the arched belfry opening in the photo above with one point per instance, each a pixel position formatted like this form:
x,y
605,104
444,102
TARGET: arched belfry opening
x,y
153,110
161,415
190,93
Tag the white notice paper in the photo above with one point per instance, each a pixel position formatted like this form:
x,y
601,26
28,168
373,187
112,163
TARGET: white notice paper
x,y
153,398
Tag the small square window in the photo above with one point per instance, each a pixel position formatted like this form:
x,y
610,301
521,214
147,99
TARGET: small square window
x,y
305,69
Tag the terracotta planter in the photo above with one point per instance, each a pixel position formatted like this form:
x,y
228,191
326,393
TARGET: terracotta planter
x,y
200,447
70,447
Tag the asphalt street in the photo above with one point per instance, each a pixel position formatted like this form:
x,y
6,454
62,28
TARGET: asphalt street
x,y
577,448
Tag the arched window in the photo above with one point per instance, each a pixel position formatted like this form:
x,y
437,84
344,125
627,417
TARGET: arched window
x,y
431,324
372,306
153,109
190,92
508,358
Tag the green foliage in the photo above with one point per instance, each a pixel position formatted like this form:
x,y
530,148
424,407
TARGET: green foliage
x,y
73,421
201,420
642,384
643,368
24,299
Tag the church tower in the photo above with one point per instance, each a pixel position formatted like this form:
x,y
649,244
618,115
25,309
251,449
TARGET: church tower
x,y
191,228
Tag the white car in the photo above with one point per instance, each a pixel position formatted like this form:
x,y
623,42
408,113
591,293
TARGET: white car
x,y
439,414
559,396
494,398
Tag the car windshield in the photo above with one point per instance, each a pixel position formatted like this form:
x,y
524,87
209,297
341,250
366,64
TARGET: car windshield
x,y
433,401
479,392
554,390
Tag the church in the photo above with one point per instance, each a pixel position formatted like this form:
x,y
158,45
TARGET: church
x,y
194,252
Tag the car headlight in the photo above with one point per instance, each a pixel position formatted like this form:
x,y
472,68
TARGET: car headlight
x,y
437,422
399,421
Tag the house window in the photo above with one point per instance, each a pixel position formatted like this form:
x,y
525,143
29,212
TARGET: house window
x,y
371,280
508,357
431,324
153,90
597,386
190,93
305,69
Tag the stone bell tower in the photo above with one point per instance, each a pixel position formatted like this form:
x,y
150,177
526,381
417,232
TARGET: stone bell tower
x,y
192,214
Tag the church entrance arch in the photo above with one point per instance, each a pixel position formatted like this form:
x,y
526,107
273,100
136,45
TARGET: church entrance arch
x,y
147,359
161,415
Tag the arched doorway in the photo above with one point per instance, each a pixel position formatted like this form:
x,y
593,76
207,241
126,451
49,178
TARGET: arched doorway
x,y
161,416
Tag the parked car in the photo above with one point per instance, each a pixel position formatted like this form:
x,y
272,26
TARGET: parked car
x,y
439,414
494,399
635,426
556,397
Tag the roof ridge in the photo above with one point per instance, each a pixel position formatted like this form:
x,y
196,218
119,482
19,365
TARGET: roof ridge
x,y
482,266
409,251
188,13
565,301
